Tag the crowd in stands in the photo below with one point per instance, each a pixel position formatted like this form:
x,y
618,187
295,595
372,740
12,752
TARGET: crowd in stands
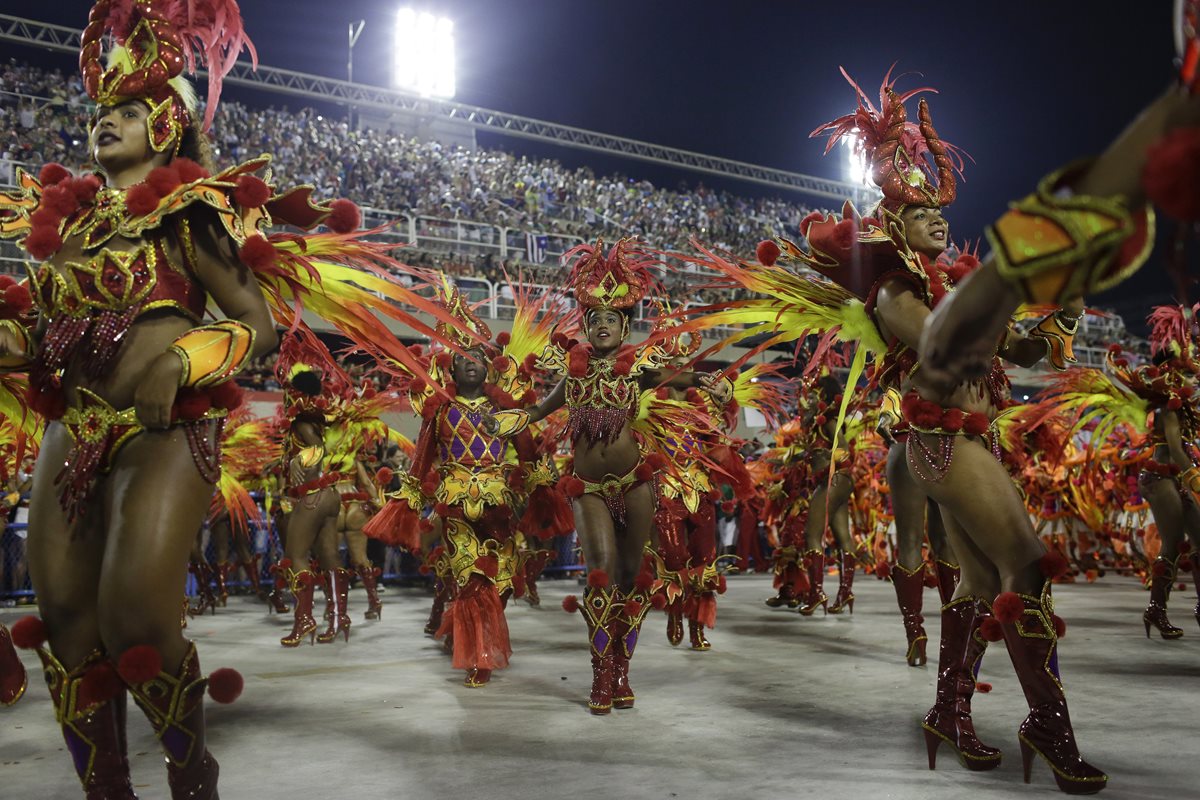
x,y
44,117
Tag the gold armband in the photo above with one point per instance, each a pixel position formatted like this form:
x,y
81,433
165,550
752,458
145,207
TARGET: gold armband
x,y
1058,331
891,405
1054,248
511,422
11,361
213,353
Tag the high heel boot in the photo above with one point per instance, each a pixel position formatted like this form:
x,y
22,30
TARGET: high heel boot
x,y
204,577
221,576
369,576
599,607
251,569
628,614
845,592
1047,732
337,587
174,705
93,727
947,577
815,598
275,601
910,587
13,679
1162,577
301,584
675,621
949,720
441,592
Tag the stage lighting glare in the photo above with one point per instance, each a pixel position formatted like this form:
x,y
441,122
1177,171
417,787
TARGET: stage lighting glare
x,y
856,159
424,51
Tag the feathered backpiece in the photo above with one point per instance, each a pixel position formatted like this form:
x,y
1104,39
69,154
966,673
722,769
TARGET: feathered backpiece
x,y
468,330
1173,330
909,162
617,279
156,41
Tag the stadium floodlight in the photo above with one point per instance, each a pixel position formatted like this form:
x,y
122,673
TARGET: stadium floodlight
x,y
856,159
424,53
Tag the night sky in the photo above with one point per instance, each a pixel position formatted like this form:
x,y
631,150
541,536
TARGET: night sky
x,y
1025,85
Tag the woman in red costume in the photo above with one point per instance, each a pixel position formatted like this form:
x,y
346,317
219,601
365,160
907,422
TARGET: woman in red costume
x,y
478,483
135,385
612,482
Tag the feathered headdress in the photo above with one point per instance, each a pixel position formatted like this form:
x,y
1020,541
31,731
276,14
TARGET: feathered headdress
x,y
909,162
468,330
617,279
1173,331
156,40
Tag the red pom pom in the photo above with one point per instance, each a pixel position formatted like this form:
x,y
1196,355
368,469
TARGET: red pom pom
x,y
227,395
983,688
597,579
1054,564
1185,547
658,601
1160,569
444,361
571,486
164,180
623,366
806,223
530,363
991,630
441,509
930,580
417,386
140,664
1174,404
1008,607
976,424
1151,372
344,217
501,363
767,252
258,253
632,608
570,604
657,461
962,266
844,234
503,338
99,684
43,241
192,404
430,484
60,200
52,173
820,420
644,471
225,685
577,361
1171,176
84,188
251,191
488,565
384,476
1114,349
189,171
643,581
141,200
883,570
1060,625
29,632
284,563
953,419
17,300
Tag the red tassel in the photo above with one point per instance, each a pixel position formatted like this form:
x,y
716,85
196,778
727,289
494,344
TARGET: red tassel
x,y
225,685
29,632
1008,607
140,663
570,604
767,251
597,579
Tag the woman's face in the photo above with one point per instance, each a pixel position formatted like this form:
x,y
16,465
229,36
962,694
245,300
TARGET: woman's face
x,y
118,137
606,329
926,229
469,373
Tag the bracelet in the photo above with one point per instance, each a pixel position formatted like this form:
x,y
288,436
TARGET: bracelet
x,y
213,353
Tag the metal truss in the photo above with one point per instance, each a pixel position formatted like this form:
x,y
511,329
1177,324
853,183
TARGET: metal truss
x,y
315,87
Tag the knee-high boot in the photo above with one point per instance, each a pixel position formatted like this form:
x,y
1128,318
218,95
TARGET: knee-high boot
x,y
910,587
947,577
204,578
89,704
629,611
815,598
949,720
369,576
174,705
1162,578
441,593
251,569
598,607
13,679
337,589
301,584
275,601
845,593
1029,632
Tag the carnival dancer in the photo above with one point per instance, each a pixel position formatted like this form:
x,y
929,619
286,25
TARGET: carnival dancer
x,y
478,483
135,385
612,482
